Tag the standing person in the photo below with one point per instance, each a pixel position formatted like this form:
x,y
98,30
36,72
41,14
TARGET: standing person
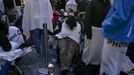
x,y
37,13
118,30
95,13
69,38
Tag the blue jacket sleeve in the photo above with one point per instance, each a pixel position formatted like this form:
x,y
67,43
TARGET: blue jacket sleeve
x,y
118,14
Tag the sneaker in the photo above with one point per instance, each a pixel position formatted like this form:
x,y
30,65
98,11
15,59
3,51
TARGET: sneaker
x,y
51,68
27,50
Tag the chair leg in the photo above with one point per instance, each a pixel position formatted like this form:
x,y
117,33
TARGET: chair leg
x,y
19,70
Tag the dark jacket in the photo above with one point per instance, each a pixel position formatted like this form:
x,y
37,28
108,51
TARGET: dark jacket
x,y
82,5
4,42
96,11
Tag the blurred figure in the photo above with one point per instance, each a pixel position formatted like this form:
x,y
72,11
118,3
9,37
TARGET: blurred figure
x,y
37,13
95,13
118,30
69,38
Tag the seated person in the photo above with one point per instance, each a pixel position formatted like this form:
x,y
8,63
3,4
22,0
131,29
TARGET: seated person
x,y
8,34
10,39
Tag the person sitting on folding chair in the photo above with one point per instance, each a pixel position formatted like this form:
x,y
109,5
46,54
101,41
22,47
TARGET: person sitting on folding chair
x,y
10,39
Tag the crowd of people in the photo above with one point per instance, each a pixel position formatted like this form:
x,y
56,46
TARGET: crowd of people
x,y
94,36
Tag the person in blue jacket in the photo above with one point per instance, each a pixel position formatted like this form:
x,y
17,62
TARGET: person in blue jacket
x,y
118,30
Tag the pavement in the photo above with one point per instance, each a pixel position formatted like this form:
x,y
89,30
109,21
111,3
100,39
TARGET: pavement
x,y
31,63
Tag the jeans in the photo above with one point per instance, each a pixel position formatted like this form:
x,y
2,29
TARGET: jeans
x,y
5,68
52,50
38,36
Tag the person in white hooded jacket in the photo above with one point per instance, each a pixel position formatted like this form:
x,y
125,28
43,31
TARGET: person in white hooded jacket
x,y
37,13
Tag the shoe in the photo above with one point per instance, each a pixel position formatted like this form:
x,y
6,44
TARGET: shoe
x,y
51,69
64,72
27,50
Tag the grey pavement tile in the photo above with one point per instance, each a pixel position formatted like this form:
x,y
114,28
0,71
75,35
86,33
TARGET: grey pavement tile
x,y
30,64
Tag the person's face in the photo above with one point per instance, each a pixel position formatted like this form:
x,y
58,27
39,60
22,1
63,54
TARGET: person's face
x,y
68,10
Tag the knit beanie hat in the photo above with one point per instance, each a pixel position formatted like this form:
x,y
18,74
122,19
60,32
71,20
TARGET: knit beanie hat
x,y
72,5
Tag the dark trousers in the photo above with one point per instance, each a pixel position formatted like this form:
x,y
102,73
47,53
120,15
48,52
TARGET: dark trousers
x,y
90,69
130,51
